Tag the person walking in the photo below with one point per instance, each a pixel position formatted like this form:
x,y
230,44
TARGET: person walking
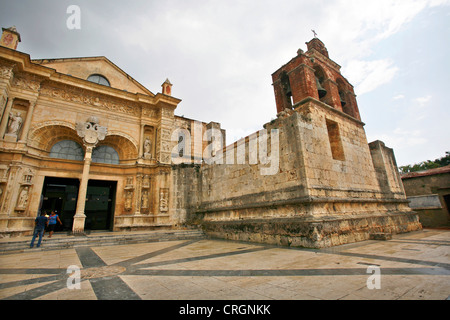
x,y
46,215
40,224
52,219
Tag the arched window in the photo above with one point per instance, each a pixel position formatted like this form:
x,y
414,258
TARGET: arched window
x,y
105,154
67,149
98,78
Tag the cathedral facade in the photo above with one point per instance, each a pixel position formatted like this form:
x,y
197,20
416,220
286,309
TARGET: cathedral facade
x,y
81,137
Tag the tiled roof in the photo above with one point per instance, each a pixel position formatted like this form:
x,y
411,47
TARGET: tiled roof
x,y
428,172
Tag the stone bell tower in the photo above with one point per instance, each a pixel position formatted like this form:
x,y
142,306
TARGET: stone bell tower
x,y
312,74
329,186
10,38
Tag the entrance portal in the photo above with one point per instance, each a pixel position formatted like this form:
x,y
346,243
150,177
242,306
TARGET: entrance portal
x,y
60,195
99,210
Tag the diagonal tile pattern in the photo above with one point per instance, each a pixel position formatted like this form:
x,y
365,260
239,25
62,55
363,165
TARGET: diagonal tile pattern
x,y
412,266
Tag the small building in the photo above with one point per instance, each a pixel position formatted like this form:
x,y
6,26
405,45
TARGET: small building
x,y
428,193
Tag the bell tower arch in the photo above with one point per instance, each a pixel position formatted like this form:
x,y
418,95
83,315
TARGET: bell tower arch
x,y
312,74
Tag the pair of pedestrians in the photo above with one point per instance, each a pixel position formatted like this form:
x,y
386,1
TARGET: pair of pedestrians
x,y
41,223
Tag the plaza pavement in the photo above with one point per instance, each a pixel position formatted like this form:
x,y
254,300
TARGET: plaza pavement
x,y
410,266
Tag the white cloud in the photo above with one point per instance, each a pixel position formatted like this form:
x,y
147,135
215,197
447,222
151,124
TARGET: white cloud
x,y
362,25
369,75
401,139
422,101
398,97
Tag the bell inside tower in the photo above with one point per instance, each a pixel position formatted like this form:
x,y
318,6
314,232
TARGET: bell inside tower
x,y
318,73
312,74
286,85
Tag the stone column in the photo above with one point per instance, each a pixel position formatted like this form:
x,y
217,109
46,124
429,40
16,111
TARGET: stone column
x,y
5,119
26,125
141,142
138,193
92,133
80,217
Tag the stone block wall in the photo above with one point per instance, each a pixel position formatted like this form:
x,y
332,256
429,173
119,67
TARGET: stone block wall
x,y
386,170
318,197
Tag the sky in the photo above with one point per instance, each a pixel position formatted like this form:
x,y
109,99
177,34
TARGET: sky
x,y
219,56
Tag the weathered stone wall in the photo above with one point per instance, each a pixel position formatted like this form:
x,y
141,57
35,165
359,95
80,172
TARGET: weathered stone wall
x,y
386,170
318,197
186,186
337,157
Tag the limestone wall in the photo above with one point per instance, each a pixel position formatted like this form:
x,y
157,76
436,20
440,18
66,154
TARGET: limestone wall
x,y
386,170
326,189
307,169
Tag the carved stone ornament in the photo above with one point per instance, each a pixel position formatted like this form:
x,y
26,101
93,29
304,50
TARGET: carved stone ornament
x,y
6,71
70,94
91,131
27,82
23,198
164,200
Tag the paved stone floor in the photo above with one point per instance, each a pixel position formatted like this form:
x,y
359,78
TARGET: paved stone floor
x,y
410,266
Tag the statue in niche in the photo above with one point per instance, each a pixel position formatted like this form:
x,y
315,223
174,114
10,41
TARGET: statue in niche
x,y
147,148
128,200
14,123
23,198
144,203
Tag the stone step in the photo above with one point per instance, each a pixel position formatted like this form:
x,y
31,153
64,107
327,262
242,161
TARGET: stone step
x,y
65,241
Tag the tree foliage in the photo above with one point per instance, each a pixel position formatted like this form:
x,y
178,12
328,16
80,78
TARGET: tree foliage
x,y
428,164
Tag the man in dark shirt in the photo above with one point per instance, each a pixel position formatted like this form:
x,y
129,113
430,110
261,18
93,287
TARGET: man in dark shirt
x,y
40,224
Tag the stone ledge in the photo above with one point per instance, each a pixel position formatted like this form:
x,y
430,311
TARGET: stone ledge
x,y
313,232
292,201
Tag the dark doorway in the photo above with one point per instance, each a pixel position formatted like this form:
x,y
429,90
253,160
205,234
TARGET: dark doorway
x,y
100,199
447,202
61,194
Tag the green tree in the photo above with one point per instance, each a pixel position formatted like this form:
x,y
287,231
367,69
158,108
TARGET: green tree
x,y
428,164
